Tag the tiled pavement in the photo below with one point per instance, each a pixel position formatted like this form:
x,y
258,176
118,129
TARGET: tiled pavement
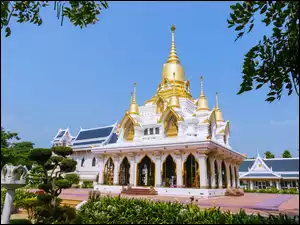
x,y
250,202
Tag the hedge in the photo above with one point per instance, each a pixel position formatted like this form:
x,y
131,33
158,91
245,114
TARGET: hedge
x,y
116,210
291,191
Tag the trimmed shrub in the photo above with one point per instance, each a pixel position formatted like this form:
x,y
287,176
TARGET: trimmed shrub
x,y
87,184
116,210
73,178
291,191
20,221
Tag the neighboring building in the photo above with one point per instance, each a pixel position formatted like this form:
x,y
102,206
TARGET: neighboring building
x,y
259,173
173,142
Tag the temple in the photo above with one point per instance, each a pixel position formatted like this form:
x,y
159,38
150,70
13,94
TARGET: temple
x,y
260,173
174,143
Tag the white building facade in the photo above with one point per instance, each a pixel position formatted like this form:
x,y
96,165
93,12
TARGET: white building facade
x,y
173,143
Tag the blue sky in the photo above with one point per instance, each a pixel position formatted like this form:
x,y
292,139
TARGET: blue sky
x,y
62,76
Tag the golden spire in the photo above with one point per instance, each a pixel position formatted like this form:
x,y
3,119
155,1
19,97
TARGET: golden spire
x,y
173,64
202,102
219,116
134,108
174,101
173,56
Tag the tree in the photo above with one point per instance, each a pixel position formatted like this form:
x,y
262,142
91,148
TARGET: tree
x,y
274,61
269,155
80,13
15,153
286,154
48,209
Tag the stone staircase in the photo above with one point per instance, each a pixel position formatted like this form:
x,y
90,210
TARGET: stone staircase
x,y
139,191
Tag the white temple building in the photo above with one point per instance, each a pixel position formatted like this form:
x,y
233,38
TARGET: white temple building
x,y
173,143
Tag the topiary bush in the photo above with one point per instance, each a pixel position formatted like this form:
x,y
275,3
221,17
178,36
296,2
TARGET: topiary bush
x,y
87,184
46,208
73,178
116,210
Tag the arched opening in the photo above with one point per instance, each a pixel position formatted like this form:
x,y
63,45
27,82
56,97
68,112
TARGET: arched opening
x,y
191,177
109,172
82,161
216,174
231,176
171,127
160,106
169,172
129,130
224,175
94,162
208,170
124,172
146,172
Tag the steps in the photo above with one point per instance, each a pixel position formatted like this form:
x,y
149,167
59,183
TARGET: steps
x,y
139,191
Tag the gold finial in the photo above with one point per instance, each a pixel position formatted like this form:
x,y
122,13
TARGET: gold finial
x,y
134,108
173,56
130,97
202,102
174,101
219,115
134,93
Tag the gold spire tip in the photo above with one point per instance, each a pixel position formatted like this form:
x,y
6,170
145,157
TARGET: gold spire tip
x,y
134,84
173,28
201,78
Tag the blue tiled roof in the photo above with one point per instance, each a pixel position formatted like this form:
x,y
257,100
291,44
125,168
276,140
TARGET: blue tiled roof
x,y
94,133
283,164
88,142
289,175
60,134
244,166
113,139
260,175
280,165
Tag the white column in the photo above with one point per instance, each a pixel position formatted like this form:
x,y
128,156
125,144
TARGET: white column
x,y
8,205
135,172
220,173
278,185
233,176
178,169
157,170
227,175
116,169
251,185
203,171
101,168
212,176
237,176
132,177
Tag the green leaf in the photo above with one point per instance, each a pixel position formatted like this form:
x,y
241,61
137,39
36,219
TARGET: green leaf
x,y
231,25
259,86
8,31
263,10
251,27
239,27
270,99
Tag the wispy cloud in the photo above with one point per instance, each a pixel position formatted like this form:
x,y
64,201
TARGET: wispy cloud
x,y
284,122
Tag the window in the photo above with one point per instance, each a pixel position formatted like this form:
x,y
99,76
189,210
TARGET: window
x,y
151,131
157,130
82,162
94,162
146,132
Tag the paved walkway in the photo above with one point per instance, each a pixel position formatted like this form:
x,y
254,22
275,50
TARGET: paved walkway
x,y
250,202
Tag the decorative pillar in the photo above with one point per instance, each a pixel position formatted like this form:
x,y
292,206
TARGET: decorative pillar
x,y
157,169
116,169
132,175
251,185
101,168
178,158
278,185
227,174
203,171
233,176
237,176
212,176
8,205
219,162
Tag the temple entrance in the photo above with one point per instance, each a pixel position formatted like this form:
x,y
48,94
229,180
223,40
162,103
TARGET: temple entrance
x,y
224,175
191,177
109,172
216,174
124,172
146,172
169,172
208,172
231,176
